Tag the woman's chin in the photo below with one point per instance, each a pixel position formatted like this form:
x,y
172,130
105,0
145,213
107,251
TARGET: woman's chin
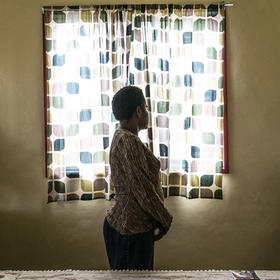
x,y
143,127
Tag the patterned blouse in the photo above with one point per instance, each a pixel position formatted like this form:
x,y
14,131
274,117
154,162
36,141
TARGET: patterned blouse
x,y
135,175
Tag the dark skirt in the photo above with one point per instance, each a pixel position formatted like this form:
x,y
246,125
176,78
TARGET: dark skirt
x,y
125,251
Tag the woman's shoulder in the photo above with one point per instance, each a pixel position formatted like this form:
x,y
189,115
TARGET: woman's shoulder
x,y
124,141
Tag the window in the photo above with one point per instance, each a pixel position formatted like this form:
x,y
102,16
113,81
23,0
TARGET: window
x,y
175,54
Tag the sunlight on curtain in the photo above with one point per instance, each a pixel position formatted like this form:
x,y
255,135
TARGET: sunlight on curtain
x,y
175,54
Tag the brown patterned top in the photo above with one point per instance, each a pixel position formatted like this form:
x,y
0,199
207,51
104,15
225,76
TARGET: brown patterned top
x,y
135,174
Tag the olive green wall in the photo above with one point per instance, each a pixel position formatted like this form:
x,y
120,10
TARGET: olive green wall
x,y
240,231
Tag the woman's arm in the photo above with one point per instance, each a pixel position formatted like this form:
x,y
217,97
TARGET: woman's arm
x,y
142,184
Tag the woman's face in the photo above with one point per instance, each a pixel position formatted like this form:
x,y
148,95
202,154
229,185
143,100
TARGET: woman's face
x,y
144,120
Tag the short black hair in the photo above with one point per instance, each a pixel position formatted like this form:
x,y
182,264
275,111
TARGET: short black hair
x,y
125,102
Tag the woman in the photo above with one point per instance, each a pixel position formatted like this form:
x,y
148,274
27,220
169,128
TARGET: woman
x,y
139,203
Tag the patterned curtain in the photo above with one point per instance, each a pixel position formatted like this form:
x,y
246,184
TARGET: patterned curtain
x,y
174,53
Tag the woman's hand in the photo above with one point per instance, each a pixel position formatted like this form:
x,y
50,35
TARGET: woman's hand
x,y
158,235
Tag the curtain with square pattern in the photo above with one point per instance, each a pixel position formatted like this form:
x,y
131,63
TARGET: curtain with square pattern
x,y
175,54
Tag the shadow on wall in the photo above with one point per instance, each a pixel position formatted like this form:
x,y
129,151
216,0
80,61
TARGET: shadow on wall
x,y
23,181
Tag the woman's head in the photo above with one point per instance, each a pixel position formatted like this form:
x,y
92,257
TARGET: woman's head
x,y
128,102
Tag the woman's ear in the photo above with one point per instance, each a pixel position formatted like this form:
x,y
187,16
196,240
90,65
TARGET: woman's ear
x,y
138,111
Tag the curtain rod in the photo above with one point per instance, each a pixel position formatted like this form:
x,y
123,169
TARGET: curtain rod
x,y
225,4
229,4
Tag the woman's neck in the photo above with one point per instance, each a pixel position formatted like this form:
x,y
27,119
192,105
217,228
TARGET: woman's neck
x,y
129,126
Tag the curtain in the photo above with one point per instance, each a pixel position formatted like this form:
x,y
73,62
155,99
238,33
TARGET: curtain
x,y
174,53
